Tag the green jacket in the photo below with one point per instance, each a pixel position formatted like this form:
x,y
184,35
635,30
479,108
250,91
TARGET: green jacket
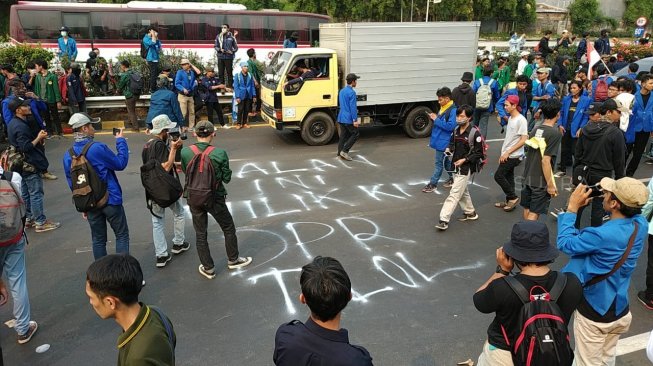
x,y
51,94
123,84
220,162
256,69
146,342
502,77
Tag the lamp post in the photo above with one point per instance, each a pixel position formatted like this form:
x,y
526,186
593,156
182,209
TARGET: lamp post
x,y
428,2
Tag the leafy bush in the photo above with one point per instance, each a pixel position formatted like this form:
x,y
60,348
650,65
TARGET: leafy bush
x,y
585,15
21,54
632,50
636,9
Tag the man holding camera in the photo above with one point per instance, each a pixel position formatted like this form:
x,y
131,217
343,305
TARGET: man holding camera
x,y
604,258
157,149
600,152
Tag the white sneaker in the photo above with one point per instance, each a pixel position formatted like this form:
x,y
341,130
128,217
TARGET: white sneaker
x,y
226,127
239,263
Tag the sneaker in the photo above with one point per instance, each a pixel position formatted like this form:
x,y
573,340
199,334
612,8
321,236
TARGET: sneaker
x,y
143,283
29,224
559,174
24,338
429,188
226,127
208,273
345,156
246,126
48,176
641,296
469,217
448,183
443,225
179,248
239,263
46,226
162,261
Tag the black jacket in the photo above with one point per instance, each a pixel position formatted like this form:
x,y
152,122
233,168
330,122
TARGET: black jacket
x,y
602,148
559,73
543,47
468,145
21,136
463,94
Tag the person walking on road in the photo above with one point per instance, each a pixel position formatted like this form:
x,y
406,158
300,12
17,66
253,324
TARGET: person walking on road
x,y
153,46
463,94
186,84
487,94
443,125
348,117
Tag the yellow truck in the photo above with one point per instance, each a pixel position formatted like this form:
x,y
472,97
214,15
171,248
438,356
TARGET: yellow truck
x,y
401,66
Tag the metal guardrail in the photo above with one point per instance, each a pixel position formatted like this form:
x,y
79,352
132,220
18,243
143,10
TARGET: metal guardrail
x,y
118,101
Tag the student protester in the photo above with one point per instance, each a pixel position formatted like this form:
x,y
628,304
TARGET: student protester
x,y
632,71
185,85
124,87
602,44
29,77
225,46
523,63
326,290
600,153
213,85
466,150
482,65
559,75
291,42
487,94
646,296
543,45
530,250
257,69
444,122
581,51
113,284
512,152
543,143
347,117
245,94
46,87
565,40
67,45
641,124
572,119
76,93
521,91
205,132
31,144
153,46
604,258
542,91
98,70
463,93
164,101
105,163
502,74
626,96
601,85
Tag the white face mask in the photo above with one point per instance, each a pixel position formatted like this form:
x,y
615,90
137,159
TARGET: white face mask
x,y
64,33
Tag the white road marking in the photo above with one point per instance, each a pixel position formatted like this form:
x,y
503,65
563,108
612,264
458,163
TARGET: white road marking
x,y
632,344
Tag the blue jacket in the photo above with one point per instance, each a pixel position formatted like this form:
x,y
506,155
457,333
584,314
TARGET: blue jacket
x,y
153,48
37,106
641,119
69,49
212,96
185,80
502,100
443,126
75,92
540,90
608,80
594,251
228,44
287,43
582,48
496,94
105,163
21,136
348,113
580,118
244,86
164,101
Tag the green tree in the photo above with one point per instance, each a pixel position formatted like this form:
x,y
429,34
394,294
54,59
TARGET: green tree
x,y
452,10
505,9
636,9
584,14
525,14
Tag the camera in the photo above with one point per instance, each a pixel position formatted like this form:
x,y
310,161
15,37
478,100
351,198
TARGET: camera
x,y
178,135
596,190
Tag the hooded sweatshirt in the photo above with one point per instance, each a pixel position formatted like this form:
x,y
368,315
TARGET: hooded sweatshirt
x,y
602,148
463,94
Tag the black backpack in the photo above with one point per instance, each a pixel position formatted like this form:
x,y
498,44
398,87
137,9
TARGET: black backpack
x,y
201,182
543,336
89,191
136,83
160,187
144,50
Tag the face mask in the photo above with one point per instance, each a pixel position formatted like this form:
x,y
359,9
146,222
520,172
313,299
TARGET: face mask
x,y
64,33
461,122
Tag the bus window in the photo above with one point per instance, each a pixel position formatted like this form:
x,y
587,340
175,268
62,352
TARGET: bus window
x,y
200,27
299,25
40,24
273,30
169,26
78,25
314,29
256,28
114,25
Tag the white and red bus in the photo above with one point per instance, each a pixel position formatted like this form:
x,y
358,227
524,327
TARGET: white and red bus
x,y
116,28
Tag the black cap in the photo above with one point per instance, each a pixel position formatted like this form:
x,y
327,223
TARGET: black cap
x,y
609,105
352,77
593,108
529,243
467,76
17,102
582,69
63,29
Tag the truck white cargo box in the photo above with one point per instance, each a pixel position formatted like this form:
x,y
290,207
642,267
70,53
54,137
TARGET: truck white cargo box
x,y
402,62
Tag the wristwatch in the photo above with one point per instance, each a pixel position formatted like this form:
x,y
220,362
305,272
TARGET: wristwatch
x,y
500,270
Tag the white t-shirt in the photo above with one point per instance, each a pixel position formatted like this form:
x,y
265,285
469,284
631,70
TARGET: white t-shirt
x,y
515,129
16,180
521,66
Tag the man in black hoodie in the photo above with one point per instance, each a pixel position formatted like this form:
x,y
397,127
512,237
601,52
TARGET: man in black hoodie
x,y
463,94
559,75
543,45
600,153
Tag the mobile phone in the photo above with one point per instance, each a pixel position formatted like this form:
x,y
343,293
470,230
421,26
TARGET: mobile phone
x,y
116,131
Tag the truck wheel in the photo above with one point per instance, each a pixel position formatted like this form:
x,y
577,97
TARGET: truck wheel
x,y
418,123
318,129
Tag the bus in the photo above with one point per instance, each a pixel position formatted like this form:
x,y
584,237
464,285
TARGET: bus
x,y
117,28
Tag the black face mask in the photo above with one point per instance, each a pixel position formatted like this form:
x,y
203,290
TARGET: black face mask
x,y
293,39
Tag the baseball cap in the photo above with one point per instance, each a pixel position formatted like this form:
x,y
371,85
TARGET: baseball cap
x,y
78,120
609,105
17,102
244,64
352,77
160,123
544,70
631,192
184,61
524,53
204,127
593,108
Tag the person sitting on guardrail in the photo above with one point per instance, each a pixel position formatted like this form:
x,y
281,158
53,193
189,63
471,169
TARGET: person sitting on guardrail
x,y
67,45
164,101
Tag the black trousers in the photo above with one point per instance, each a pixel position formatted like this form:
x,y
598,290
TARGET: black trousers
x,y
641,139
649,269
154,74
244,108
212,107
228,66
505,177
348,137
218,209
597,213
567,148
52,122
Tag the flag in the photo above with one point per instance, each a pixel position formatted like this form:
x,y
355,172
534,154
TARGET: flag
x,y
592,58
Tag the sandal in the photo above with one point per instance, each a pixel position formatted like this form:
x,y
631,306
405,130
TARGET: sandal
x,y
500,204
511,205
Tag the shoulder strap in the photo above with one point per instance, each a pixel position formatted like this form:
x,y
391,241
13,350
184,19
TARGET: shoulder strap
x,y
558,286
86,147
166,325
481,82
195,149
490,83
621,261
518,289
208,150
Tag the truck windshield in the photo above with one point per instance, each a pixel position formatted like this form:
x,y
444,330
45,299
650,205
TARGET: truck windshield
x,y
275,70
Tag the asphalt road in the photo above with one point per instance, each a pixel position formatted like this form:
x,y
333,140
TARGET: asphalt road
x,y
412,285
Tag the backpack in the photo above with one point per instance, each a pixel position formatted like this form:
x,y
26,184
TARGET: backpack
x,y
484,95
12,159
144,50
201,182
89,191
543,336
12,211
136,83
601,92
474,134
160,187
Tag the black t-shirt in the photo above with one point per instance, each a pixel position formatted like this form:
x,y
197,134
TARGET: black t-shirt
x,y
572,111
499,298
645,99
160,152
533,174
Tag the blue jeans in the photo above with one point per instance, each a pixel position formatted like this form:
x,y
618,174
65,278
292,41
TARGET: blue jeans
x,y
32,192
159,226
97,219
440,162
481,118
12,259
